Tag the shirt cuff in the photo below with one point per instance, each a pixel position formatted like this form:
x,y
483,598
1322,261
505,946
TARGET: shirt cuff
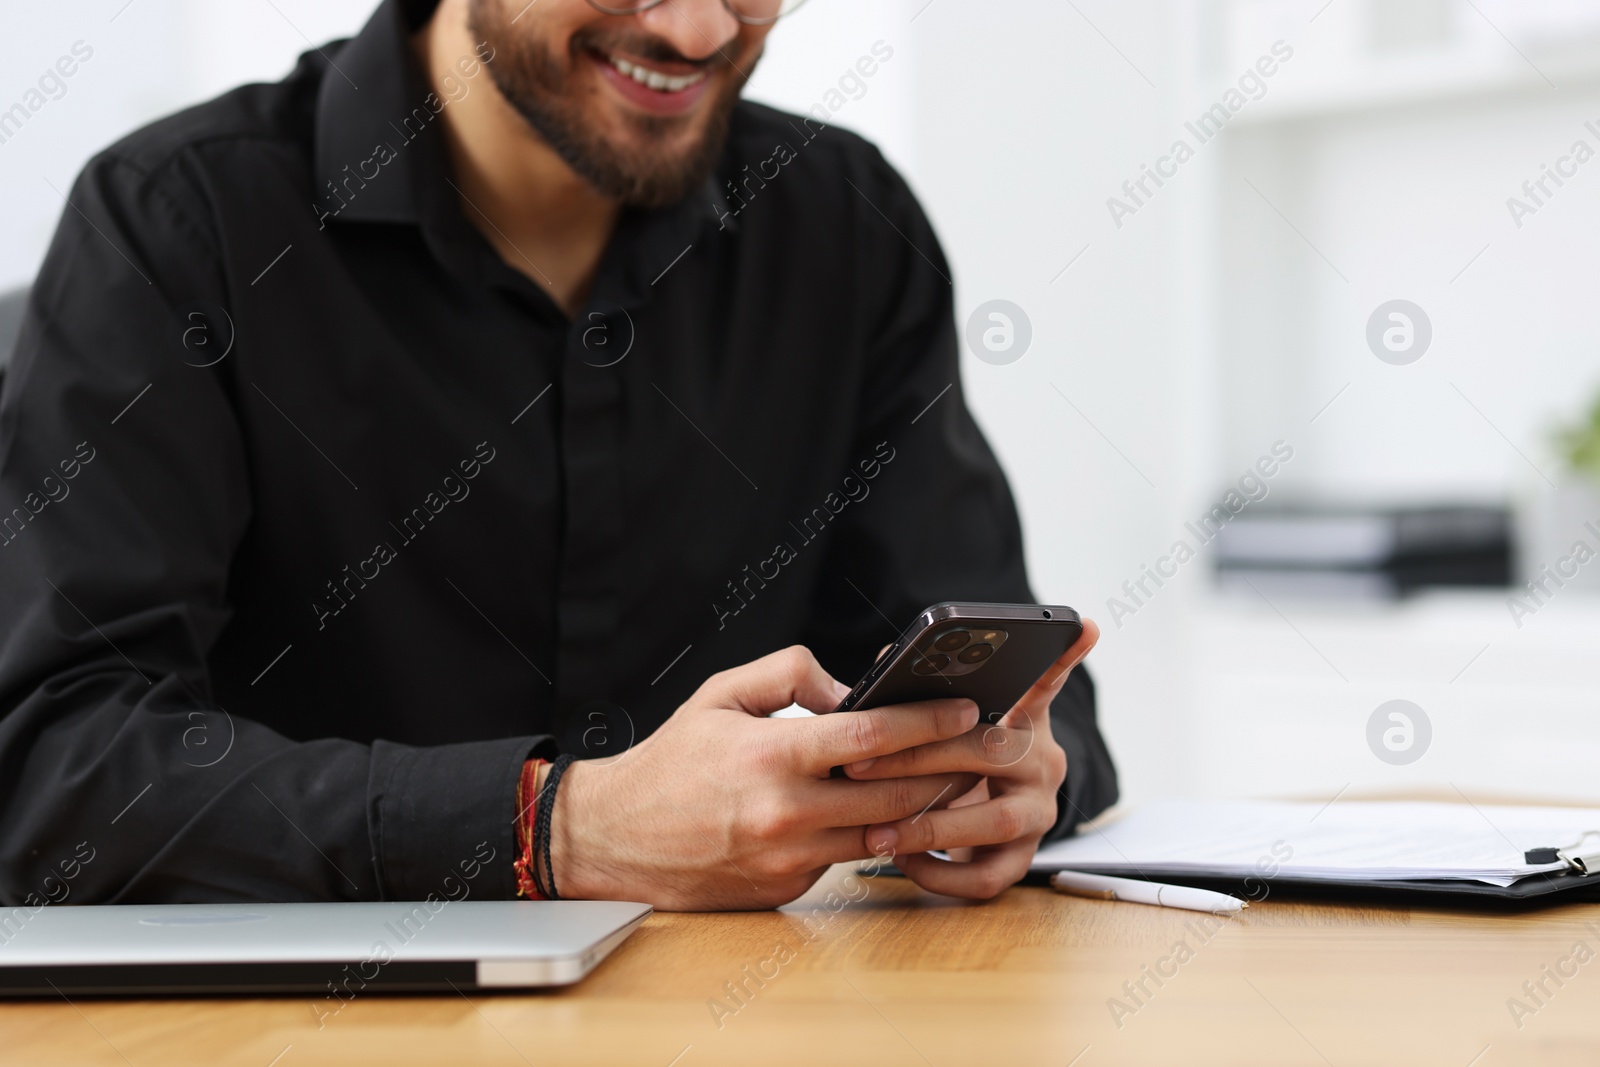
x,y
1070,797
443,818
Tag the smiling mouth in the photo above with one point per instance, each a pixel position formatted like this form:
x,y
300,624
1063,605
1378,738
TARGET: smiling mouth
x,y
657,80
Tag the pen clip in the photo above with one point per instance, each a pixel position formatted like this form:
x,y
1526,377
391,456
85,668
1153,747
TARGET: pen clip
x,y
1581,859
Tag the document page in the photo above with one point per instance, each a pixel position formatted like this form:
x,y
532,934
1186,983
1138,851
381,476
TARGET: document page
x,y
1342,841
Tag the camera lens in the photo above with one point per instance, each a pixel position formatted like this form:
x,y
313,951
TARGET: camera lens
x,y
975,653
931,664
951,640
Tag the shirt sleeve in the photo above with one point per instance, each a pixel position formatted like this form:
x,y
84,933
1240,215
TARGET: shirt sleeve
x,y
124,495
937,521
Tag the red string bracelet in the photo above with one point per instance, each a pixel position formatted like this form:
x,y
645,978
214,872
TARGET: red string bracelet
x,y
527,846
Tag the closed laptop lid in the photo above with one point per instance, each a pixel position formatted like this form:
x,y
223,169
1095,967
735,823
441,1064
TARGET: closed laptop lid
x,y
297,946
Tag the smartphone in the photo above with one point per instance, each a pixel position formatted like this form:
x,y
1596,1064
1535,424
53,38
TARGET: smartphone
x,y
988,653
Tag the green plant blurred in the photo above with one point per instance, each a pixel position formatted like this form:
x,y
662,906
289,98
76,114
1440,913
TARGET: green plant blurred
x,y
1580,444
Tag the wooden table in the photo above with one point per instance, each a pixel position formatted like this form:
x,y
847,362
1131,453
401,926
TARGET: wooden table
x,y
895,976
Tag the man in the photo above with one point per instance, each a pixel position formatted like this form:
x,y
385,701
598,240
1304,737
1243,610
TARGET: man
x,y
497,386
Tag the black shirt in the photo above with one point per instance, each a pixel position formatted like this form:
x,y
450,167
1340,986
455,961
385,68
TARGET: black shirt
x,y
317,519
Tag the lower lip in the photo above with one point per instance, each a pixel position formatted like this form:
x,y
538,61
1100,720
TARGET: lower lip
x,y
647,99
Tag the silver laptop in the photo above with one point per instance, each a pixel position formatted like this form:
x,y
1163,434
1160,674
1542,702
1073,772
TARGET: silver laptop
x,y
338,950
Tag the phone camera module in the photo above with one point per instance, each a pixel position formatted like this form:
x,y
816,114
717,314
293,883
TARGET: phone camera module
x,y
957,650
975,653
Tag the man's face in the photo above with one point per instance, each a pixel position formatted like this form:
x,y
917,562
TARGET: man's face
x,y
638,105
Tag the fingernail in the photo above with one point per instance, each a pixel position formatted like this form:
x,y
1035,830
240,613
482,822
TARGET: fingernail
x,y
860,766
881,839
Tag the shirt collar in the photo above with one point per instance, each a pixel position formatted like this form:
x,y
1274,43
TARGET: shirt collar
x,y
374,122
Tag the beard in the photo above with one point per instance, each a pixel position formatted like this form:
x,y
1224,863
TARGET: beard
x,y
539,85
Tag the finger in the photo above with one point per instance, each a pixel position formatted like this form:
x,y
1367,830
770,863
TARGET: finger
x,y
981,750
994,822
841,844
976,795
832,740
1035,703
881,651
985,877
773,682
844,803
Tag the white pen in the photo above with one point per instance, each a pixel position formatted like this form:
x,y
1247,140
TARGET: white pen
x,y
1105,887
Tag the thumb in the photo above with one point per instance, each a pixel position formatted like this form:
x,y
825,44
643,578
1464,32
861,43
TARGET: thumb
x,y
773,682
1035,703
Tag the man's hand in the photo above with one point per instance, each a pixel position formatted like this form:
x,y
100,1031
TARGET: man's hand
x,y
725,808
1022,765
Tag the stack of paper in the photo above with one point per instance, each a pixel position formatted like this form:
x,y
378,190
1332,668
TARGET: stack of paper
x,y
1345,841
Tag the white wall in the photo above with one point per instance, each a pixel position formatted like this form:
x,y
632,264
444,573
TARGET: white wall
x,y
808,54
1209,325
1027,119
1398,172
150,57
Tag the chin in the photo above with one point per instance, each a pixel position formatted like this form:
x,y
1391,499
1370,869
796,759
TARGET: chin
x,y
671,150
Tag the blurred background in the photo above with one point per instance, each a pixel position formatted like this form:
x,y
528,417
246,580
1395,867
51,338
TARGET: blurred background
x,y
1342,345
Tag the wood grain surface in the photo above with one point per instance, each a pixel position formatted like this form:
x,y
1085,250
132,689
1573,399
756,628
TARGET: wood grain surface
x,y
881,973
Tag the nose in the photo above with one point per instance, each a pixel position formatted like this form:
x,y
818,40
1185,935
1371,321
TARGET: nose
x,y
698,29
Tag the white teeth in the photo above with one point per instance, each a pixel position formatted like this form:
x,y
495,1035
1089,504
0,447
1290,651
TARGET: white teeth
x,y
654,79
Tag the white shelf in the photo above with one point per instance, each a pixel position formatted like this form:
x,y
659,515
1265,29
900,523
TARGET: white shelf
x,y
1397,85
1283,700
1346,62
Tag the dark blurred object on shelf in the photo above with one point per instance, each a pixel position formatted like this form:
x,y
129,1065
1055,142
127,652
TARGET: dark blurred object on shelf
x,y
1346,552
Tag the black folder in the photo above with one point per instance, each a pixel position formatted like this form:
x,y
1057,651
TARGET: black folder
x,y
1399,852
1536,890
